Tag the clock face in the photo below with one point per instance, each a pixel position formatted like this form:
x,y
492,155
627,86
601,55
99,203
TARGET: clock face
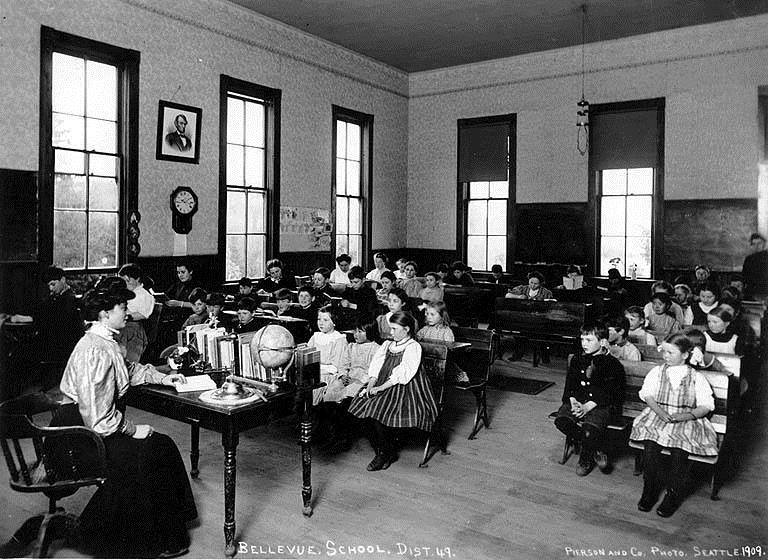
x,y
184,202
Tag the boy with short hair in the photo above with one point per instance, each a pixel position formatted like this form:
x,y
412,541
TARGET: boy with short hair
x,y
621,348
594,392
283,299
245,322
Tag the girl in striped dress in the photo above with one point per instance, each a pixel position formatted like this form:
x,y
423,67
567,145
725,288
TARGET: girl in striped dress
x,y
679,398
398,394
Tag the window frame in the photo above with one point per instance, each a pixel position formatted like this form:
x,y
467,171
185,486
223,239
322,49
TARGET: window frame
x,y
365,121
593,184
272,98
462,191
127,62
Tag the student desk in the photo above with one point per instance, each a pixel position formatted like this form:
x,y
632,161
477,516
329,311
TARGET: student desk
x,y
229,421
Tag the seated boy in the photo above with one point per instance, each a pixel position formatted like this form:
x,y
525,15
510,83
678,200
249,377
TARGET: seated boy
x,y
245,322
637,333
214,303
306,309
621,348
594,392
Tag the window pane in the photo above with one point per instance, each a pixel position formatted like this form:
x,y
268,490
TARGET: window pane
x,y
476,217
499,189
355,223
497,217
342,215
69,162
255,259
103,194
254,167
68,131
353,142
341,245
355,248
101,135
69,191
341,176
102,239
341,139
254,124
478,190
69,239
235,111
614,181
497,251
68,90
639,253
476,251
611,247
235,212
353,178
102,165
235,165
101,96
256,212
235,268
640,181
639,215
612,217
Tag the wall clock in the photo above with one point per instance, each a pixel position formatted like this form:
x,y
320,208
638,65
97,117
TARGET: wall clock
x,y
183,207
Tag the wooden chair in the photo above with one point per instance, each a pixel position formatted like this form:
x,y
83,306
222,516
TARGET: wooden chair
x,y
477,362
434,357
57,466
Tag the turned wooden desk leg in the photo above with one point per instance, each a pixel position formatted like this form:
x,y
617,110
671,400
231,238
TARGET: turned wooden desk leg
x,y
229,440
306,457
194,452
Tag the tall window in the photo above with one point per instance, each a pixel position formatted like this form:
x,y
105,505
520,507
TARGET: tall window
x,y
249,121
626,210
486,194
626,174
88,150
351,181
487,224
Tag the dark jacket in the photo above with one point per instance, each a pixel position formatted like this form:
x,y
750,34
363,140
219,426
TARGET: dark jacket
x,y
595,378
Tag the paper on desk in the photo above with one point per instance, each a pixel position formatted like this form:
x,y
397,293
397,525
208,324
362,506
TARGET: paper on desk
x,y
195,383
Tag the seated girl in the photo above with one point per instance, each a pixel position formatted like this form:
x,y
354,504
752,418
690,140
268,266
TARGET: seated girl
x,y
679,398
396,302
637,333
438,328
332,345
386,283
708,300
718,334
660,321
398,394
533,290
662,286
700,357
432,291
684,298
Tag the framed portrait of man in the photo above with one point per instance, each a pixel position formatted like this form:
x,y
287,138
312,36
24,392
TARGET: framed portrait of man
x,y
178,132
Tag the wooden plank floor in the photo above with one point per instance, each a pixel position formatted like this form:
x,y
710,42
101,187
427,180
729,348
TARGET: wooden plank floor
x,y
501,496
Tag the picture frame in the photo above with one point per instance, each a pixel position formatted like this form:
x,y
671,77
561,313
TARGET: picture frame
x,y
178,132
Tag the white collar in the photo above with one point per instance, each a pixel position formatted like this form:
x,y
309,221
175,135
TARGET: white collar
x,y
102,330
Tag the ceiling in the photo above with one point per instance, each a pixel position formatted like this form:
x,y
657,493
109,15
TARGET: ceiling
x,y
415,35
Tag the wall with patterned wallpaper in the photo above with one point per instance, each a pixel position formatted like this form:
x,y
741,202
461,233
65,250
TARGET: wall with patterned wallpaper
x,y
189,44
709,76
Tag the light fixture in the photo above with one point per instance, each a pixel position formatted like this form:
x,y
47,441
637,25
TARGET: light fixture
x,y
582,113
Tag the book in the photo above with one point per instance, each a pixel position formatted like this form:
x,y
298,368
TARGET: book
x,y
195,383
574,283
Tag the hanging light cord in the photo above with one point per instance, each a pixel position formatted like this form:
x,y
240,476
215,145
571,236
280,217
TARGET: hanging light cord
x,y
582,121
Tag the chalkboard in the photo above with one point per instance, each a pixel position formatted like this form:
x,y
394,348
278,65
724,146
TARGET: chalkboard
x,y
552,233
18,215
711,232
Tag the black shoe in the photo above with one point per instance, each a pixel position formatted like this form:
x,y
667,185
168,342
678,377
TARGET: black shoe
x,y
585,468
648,499
603,462
668,505
379,462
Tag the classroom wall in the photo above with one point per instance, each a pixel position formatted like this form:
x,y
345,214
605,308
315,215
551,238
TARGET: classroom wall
x,y
185,46
709,76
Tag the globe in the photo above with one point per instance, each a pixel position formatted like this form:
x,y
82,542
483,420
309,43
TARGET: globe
x,y
272,346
